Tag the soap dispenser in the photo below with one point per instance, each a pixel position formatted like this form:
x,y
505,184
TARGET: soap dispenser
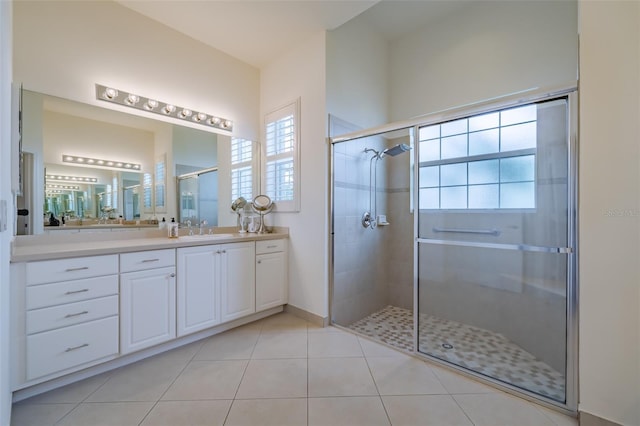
x,y
173,228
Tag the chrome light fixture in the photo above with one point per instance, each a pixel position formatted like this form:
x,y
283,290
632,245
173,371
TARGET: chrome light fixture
x,y
132,100
51,186
74,179
121,165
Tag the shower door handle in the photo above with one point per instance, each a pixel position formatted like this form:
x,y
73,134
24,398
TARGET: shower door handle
x,y
494,232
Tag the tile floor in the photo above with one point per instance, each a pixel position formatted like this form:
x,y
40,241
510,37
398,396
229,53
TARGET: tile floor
x,y
281,371
475,348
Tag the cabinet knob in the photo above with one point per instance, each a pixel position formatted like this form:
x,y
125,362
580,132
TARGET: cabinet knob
x,y
172,275
259,261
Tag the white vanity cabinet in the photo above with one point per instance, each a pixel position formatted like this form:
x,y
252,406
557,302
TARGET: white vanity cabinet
x,y
272,285
68,312
237,280
147,299
216,283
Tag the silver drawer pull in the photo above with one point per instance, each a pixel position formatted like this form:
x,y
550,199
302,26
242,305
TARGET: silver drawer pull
x,y
272,246
77,347
82,268
75,315
77,291
150,260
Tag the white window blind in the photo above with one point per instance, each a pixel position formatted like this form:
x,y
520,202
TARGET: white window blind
x,y
241,168
114,194
148,194
281,157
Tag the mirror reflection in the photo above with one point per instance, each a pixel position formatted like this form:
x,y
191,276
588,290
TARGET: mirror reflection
x,y
125,167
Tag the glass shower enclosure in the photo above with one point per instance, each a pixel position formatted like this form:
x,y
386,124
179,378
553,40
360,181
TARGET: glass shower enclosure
x,y
479,223
198,197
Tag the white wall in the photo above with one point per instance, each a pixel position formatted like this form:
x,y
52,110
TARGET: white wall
x,y
83,43
67,134
484,50
5,195
357,74
610,210
301,73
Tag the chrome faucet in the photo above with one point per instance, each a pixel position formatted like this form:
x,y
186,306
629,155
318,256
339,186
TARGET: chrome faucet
x,y
202,226
189,226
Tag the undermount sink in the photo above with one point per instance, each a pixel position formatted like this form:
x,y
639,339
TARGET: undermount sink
x,y
206,236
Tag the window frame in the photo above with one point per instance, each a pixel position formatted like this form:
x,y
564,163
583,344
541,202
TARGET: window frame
x,y
291,108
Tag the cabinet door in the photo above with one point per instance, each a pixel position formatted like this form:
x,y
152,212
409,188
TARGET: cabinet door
x,y
147,308
237,280
198,288
271,280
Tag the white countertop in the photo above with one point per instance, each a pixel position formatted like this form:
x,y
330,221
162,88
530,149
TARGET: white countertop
x,y
49,247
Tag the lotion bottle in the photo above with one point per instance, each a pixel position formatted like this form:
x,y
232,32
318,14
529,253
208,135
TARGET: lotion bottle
x,y
173,228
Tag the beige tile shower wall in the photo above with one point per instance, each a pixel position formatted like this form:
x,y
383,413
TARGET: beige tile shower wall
x,y
359,286
398,236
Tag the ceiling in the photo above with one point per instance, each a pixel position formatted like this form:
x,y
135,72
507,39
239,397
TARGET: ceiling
x,y
255,31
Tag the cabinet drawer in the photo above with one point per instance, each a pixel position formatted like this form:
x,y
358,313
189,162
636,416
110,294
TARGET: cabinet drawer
x,y
51,271
40,296
72,346
142,260
270,246
72,313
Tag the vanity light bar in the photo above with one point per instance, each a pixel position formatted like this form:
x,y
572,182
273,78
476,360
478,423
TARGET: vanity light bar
x,y
98,162
109,94
57,187
77,179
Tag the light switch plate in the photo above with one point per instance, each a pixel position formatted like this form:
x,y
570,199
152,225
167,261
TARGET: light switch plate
x,y
3,215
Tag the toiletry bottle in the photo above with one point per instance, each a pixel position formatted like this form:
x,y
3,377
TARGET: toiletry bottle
x,y
173,228
163,224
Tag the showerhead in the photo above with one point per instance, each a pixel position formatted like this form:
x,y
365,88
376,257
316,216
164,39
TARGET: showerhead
x,y
396,150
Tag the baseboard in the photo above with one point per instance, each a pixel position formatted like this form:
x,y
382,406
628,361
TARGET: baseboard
x,y
586,419
306,315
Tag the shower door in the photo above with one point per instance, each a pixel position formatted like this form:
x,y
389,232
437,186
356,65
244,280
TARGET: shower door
x,y
495,247
198,197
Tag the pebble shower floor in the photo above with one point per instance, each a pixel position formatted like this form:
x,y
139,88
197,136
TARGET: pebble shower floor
x,y
477,349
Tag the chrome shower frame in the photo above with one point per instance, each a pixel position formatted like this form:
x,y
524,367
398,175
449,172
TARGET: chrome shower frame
x,y
570,91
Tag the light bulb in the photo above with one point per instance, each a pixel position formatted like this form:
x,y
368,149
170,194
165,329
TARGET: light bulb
x,y
185,113
110,93
200,117
132,99
168,109
151,104
215,121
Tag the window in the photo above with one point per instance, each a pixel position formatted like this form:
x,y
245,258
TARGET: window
x,y
147,183
485,161
160,183
241,168
281,157
114,193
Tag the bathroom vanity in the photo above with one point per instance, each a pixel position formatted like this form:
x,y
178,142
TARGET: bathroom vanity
x,y
84,305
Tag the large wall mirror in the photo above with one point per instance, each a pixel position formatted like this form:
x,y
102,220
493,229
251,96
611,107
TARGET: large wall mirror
x,y
95,167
